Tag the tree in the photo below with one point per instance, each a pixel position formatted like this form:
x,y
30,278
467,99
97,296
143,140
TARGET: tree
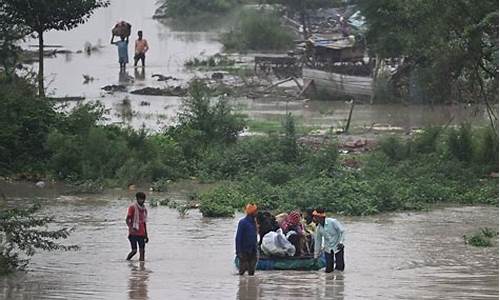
x,y
21,230
10,34
39,16
449,47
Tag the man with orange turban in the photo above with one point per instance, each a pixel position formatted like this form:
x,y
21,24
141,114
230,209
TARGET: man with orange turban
x,y
246,241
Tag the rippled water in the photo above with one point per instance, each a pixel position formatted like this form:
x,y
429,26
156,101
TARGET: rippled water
x,y
391,256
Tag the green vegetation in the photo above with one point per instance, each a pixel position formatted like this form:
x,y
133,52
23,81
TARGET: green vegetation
x,y
276,171
450,48
482,238
22,231
274,126
412,174
75,146
258,30
186,8
39,17
213,62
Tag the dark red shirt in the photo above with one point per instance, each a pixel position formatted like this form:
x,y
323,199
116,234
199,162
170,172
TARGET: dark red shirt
x,y
142,225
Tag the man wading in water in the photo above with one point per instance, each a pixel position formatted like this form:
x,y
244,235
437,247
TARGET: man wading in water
x,y
246,241
331,232
122,45
141,47
136,221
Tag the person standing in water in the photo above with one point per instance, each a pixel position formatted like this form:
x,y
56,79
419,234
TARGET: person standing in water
x,y
330,233
141,47
246,241
136,221
122,45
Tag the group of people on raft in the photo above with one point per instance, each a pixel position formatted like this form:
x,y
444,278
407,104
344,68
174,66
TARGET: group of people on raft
x,y
289,234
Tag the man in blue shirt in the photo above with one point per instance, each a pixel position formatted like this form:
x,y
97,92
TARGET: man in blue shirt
x,y
331,232
246,241
122,45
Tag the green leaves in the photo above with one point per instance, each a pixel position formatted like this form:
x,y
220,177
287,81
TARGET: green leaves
x,y
186,8
23,231
43,15
450,47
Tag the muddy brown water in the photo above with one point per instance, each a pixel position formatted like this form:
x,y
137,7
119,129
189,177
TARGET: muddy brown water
x,y
411,255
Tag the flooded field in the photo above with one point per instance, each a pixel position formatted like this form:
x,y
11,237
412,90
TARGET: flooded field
x,y
390,256
171,45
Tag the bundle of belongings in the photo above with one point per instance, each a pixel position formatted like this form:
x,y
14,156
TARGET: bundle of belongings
x,y
286,234
122,29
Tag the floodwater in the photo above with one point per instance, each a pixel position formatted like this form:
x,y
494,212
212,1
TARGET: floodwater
x,y
171,45
414,255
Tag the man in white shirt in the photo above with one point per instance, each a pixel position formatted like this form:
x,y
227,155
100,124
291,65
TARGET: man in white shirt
x,y
330,235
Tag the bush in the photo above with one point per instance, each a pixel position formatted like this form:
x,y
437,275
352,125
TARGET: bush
x,y
185,8
201,124
460,143
395,148
92,151
258,30
400,175
23,231
222,201
322,162
487,149
24,127
277,173
426,142
481,238
213,61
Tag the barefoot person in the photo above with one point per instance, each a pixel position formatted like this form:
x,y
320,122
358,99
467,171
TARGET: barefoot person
x,y
141,47
246,241
136,222
122,45
331,232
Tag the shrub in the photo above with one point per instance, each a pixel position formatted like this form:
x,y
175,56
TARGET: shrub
x,y
222,201
322,162
481,238
23,231
93,151
277,173
258,30
426,142
241,159
25,123
460,143
213,61
201,124
184,8
395,148
487,149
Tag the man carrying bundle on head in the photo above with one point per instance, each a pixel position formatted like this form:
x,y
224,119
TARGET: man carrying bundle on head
x,y
330,233
121,29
